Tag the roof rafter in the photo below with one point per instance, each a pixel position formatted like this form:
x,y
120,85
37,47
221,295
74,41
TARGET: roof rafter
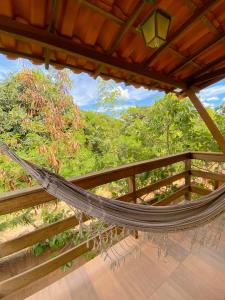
x,y
101,11
51,28
207,68
126,26
51,41
119,21
64,65
205,19
218,73
196,15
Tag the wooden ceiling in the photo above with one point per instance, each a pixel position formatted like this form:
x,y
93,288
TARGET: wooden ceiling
x,y
102,37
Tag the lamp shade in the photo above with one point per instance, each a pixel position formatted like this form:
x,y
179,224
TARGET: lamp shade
x,y
155,28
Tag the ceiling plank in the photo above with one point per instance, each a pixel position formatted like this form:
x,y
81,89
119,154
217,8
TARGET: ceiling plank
x,y
196,16
121,33
51,41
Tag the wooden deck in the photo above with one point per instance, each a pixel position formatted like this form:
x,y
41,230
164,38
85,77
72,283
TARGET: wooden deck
x,y
199,274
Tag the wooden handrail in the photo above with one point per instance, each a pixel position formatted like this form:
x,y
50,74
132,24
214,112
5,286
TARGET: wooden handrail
x,y
209,156
17,200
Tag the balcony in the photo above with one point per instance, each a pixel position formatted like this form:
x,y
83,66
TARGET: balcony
x,y
23,283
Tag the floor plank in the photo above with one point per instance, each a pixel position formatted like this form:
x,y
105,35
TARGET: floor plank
x,y
182,275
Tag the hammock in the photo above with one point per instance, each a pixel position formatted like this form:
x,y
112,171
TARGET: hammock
x,y
145,218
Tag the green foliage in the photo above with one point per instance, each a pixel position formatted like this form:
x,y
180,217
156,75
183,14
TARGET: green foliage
x,y
52,216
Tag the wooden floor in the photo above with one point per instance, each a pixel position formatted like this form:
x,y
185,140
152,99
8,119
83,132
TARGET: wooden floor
x,y
182,275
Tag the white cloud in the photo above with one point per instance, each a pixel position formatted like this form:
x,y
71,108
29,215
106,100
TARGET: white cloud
x,y
115,108
84,89
141,93
124,93
213,95
122,107
214,98
213,91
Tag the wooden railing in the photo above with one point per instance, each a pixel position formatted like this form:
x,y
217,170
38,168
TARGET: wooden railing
x,y
17,200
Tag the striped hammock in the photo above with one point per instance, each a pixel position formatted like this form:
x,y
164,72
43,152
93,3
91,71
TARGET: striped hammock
x,y
129,215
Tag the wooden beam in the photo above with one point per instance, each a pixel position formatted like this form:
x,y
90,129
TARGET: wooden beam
x,y
207,83
185,26
166,201
71,67
208,156
29,239
212,75
101,11
23,279
46,39
199,190
152,187
207,68
206,48
121,33
159,184
207,119
205,19
208,175
51,28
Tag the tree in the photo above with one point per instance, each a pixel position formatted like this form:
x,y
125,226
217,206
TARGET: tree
x,y
38,119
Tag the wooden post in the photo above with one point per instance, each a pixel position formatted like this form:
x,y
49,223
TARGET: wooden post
x,y
132,189
207,119
216,185
187,164
132,186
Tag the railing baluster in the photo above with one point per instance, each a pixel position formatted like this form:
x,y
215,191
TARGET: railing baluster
x,y
132,189
132,186
187,178
216,185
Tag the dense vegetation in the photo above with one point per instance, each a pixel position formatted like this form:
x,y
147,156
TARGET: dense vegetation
x,y
39,119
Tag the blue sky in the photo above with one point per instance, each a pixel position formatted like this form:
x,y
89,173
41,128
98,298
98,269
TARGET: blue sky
x,y
85,93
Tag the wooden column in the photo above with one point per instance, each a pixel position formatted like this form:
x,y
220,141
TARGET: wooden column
x,y
187,164
207,119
